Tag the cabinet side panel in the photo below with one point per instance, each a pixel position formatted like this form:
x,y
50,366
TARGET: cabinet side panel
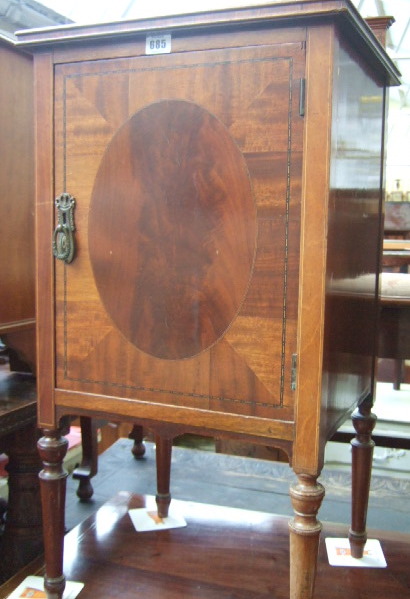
x,y
44,228
354,236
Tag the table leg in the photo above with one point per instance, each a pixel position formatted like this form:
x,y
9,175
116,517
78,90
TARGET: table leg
x,y
52,448
362,454
307,495
137,434
89,463
163,458
398,374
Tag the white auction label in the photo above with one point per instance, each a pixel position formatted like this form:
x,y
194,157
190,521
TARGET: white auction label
x,y
158,44
338,552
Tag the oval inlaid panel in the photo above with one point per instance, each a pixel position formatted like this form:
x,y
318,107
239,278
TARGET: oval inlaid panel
x,y
172,229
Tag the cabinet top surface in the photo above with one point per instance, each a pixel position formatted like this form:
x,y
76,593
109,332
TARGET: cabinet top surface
x,y
248,13
245,11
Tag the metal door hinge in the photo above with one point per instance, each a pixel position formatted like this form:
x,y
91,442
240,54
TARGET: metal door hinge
x,y
302,94
294,371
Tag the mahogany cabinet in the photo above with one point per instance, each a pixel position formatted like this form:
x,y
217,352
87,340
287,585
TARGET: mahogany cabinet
x,y
20,539
209,200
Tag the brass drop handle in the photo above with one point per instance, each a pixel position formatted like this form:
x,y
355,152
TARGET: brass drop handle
x,y
63,236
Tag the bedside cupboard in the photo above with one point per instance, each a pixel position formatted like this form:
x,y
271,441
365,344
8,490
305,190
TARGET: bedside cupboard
x,y
208,226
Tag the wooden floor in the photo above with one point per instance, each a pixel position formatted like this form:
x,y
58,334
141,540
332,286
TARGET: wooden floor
x,y
222,553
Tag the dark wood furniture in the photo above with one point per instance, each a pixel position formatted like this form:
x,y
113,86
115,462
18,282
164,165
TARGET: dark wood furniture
x,y
397,219
22,538
209,200
396,255
17,310
393,340
394,336
222,553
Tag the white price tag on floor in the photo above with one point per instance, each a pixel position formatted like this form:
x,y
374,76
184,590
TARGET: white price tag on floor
x,y
144,520
338,553
33,586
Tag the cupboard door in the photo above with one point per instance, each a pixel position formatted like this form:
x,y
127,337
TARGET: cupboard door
x,y
185,169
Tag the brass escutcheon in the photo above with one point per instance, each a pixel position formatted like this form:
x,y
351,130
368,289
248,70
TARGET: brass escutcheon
x,y
63,236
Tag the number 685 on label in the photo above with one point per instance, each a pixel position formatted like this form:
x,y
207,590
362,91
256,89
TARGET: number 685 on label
x,y
158,44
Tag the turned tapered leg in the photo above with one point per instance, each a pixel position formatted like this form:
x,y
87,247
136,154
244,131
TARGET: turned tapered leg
x,y
89,463
163,457
307,495
362,454
137,434
52,448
